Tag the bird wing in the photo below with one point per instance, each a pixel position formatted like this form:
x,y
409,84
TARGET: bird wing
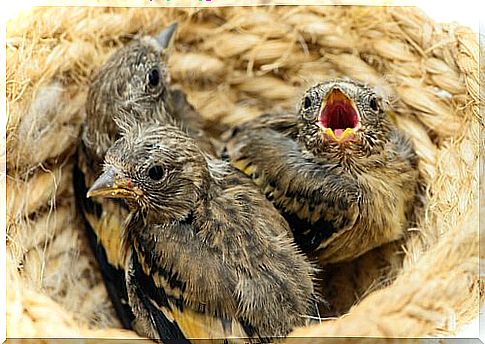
x,y
168,316
201,326
102,224
301,189
284,123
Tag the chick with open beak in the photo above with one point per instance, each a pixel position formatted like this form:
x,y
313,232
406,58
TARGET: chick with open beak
x,y
343,116
341,173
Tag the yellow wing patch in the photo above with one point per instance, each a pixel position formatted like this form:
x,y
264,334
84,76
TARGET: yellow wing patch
x,y
199,326
108,229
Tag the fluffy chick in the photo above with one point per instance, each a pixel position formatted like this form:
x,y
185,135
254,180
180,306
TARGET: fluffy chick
x,y
339,171
136,78
134,83
203,246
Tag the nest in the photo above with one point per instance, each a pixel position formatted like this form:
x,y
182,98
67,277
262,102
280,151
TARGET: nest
x,y
234,63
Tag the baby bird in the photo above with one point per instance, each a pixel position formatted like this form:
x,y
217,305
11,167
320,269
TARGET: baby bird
x,y
203,247
339,171
133,83
136,78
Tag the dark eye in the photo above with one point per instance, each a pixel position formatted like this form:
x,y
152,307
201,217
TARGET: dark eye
x,y
307,103
154,77
155,172
373,104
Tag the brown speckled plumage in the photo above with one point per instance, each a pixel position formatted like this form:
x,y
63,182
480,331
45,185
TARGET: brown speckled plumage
x,y
341,197
133,80
134,84
203,244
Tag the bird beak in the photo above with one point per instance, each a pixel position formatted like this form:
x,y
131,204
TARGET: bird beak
x,y
109,185
339,118
347,133
165,37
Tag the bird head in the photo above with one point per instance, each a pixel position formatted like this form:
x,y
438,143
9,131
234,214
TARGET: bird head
x,y
134,78
340,115
155,168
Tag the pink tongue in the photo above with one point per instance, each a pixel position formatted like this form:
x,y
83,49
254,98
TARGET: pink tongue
x,y
338,132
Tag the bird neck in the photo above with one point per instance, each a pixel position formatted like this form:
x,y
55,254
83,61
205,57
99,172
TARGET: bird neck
x,y
214,189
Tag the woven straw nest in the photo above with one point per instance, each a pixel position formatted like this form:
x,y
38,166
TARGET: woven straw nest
x,y
235,63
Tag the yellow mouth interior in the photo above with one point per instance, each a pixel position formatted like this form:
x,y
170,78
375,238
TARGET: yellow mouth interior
x,y
347,132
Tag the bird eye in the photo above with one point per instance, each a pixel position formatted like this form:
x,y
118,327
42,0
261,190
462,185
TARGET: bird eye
x,y
373,104
155,172
154,76
307,103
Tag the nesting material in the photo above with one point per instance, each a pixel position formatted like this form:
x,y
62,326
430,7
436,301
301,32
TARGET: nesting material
x,y
235,63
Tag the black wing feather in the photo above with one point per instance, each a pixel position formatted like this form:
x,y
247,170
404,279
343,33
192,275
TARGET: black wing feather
x,y
114,279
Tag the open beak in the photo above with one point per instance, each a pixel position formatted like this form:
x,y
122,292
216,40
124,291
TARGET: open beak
x,y
109,185
339,118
